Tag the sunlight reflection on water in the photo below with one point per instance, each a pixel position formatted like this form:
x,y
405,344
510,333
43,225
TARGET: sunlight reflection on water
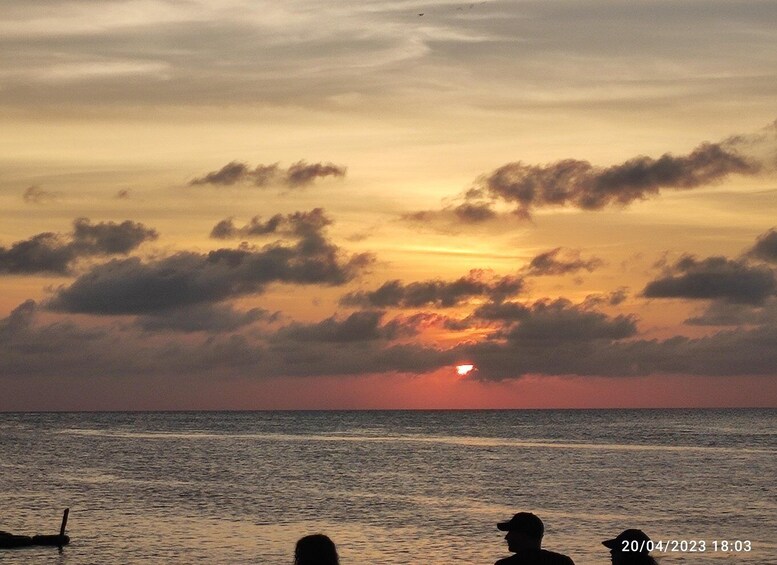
x,y
451,440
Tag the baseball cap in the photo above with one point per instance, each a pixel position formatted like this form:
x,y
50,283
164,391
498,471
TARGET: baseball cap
x,y
630,535
525,522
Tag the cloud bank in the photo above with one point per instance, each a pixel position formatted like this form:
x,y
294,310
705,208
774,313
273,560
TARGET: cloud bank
x,y
178,314
131,286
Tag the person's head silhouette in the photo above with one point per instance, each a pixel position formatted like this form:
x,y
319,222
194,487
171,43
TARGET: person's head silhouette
x,y
630,547
316,549
524,539
524,531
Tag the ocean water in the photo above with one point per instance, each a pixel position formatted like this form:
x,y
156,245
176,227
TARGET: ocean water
x,y
395,487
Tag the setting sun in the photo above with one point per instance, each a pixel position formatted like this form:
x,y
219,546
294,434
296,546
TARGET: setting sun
x,y
464,369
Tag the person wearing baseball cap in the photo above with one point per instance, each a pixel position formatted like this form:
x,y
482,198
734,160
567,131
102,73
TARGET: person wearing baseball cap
x,y
630,547
524,539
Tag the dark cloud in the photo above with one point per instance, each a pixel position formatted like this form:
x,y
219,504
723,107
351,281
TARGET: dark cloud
x,y
60,349
439,293
463,214
613,298
359,326
714,278
618,296
551,338
36,195
303,174
555,320
203,318
470,213
579,184
724,313
133,287
415,323
501,311
64,350
561,261
354,358
547,337
55,253
19,319
510,312
109,238
42,253
560,321
765,247
298,175
558,338
733,353
227,175
571,182
302,224
226,228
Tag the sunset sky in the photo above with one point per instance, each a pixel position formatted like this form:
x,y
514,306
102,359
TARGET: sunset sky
x,y
256,205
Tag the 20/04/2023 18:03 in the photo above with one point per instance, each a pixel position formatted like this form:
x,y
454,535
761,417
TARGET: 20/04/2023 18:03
x,y
688,546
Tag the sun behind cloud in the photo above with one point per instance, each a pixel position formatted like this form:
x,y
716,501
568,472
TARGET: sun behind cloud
x,y
464,370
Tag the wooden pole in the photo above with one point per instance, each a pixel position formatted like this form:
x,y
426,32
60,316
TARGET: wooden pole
x,y
64,522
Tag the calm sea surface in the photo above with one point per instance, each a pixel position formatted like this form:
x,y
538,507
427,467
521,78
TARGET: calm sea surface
x,y
388,487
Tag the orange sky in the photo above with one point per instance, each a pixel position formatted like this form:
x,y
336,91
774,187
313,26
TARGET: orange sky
x,y
248,206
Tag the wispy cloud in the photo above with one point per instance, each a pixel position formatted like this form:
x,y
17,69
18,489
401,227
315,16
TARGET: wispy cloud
x,y
561,261
36,195
295,224
298,175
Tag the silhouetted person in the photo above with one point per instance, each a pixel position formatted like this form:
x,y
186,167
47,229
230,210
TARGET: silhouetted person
x,y
524,538
631,540
317,549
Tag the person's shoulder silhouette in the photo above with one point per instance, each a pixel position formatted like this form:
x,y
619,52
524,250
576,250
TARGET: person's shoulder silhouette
x,y
524,538
316,549
536,557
